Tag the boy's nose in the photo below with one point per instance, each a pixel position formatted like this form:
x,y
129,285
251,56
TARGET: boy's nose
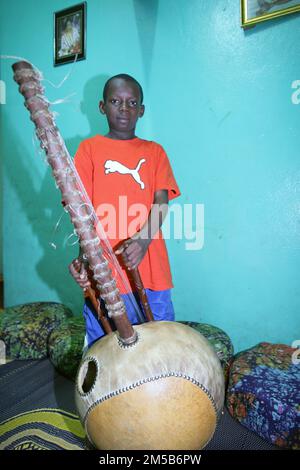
x,y
123,106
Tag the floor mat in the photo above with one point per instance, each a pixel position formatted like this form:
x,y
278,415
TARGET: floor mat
x,y
29,387
42,429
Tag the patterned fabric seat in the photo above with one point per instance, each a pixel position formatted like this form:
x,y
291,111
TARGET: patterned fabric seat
x,y
264,393
65,346
42,329
25,329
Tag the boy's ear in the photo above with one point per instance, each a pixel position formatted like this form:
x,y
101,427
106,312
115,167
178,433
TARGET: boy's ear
x,y
142,110
102,107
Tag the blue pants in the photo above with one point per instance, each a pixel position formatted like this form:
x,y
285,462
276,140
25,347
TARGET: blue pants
x,y
160,304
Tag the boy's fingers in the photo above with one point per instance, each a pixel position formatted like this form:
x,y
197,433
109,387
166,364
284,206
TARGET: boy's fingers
x,y
85,285
82,269
134,257
131,258
120,250
130,254
130,248
134,264
74,267
79,273
73,270
83,273
123,247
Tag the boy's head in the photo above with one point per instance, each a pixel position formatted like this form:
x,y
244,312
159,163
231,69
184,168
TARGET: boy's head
x,y
126,78
122,102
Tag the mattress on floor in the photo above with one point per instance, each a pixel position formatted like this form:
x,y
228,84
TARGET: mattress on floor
x,y
37,411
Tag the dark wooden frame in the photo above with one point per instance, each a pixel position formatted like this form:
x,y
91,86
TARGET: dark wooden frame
x,y
60,16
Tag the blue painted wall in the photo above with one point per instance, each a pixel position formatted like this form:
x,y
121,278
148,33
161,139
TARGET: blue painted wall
x,y
219,100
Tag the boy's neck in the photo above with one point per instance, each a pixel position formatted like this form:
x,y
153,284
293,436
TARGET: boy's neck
x,y
116,135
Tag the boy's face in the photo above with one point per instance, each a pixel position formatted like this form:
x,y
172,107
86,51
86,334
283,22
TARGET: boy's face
x,y
122,106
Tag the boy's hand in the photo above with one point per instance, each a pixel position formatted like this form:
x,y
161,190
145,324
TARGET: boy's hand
x,y
79,272
133,251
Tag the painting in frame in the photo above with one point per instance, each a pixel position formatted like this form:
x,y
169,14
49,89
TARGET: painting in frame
x,y
256,11
70,34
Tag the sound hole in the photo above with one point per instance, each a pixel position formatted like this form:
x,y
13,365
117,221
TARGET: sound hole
x,y
88,376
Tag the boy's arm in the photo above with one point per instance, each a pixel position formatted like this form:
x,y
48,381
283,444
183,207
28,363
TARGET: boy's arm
x,y
134,249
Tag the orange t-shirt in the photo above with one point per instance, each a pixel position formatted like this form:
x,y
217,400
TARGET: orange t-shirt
x,y
121,177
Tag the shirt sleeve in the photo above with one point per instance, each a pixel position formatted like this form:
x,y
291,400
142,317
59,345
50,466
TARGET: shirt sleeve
x,y
85,168
164,177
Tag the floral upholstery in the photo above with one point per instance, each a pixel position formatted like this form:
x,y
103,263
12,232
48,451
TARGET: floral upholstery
x,y
25,329
41,329
65,346
264,393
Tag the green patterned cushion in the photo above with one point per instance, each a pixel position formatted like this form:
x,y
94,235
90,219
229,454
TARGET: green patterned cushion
x,y
25,328
65,346
219,340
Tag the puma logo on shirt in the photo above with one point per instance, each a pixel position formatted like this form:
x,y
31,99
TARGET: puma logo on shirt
x,y
112,166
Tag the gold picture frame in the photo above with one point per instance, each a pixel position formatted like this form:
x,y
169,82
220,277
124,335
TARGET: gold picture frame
x,y
257,11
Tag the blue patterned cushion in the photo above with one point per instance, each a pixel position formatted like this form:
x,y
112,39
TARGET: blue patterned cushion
x,y
264,393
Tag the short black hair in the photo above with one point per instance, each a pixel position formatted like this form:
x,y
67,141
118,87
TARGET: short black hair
x,y
127,78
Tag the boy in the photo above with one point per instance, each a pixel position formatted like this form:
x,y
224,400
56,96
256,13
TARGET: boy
x,y
129,175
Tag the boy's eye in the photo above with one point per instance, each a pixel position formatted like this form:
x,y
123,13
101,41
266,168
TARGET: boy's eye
x,y
116,101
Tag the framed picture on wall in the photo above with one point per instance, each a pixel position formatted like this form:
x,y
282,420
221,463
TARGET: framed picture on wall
x,y
256,11
70,34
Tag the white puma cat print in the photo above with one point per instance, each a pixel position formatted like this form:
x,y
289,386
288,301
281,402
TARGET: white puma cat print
x,y
112,166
